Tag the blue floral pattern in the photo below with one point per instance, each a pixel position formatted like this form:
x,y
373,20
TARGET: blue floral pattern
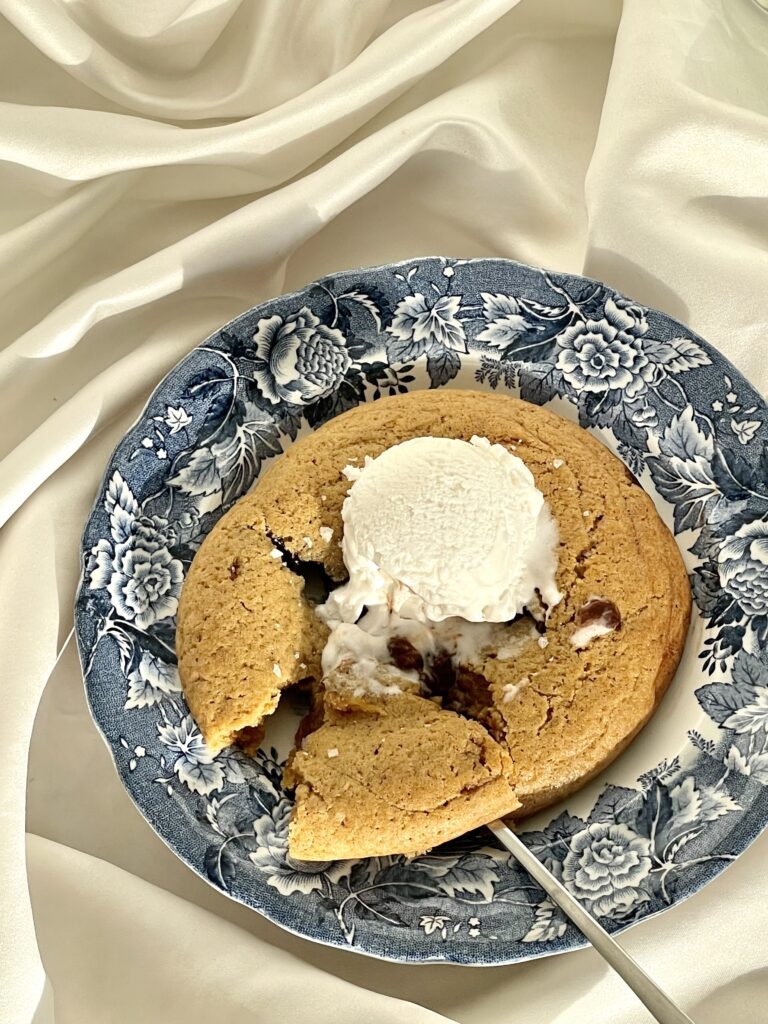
x,y
680,417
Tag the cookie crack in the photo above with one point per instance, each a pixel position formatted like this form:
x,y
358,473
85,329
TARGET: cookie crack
x,y
317,582
549,714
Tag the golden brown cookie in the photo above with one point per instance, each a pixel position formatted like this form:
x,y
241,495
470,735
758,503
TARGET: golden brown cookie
x,y
562,712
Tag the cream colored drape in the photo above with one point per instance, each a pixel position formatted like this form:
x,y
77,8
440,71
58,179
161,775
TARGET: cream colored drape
x,y
167,164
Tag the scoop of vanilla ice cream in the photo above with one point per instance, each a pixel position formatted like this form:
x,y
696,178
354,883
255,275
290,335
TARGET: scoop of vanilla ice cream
x,y
437,527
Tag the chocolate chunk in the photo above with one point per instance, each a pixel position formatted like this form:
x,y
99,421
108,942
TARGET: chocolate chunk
x,y
599,609
470,696
441,675
472,690
405,655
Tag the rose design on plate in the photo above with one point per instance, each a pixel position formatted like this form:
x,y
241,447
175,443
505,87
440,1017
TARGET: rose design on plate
x,y
602,355
604,865
298,359
140,574
743,565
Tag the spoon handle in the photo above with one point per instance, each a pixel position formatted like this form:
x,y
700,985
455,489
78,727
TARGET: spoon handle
x,y
647,991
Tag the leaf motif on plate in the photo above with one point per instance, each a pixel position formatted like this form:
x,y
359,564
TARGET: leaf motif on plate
x,y
366,302
540,383
239,457
688,355
720,700
548,923
617,803
220,864
472,875
442,365
199,776
552,843
200,475
122,507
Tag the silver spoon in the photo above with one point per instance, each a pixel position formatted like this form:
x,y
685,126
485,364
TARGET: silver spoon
x,y
646,990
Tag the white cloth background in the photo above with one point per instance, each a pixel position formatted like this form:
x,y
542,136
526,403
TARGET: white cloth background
x,y
167,164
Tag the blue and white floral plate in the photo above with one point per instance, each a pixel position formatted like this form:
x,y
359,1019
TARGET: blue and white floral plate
x,y
687,796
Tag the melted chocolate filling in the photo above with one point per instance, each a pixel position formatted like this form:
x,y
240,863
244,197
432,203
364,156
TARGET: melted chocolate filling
x,y
404,654
599,609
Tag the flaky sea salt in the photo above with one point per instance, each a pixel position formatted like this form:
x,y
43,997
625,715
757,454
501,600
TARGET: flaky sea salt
x,y
586,513
326,532
543,642
510,690
277,670
557,463
308,543
275,553
333,752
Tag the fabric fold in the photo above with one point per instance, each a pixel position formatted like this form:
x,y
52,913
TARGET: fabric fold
x,y
217,978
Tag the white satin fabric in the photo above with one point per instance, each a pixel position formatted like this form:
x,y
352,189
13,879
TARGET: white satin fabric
x,y
169,163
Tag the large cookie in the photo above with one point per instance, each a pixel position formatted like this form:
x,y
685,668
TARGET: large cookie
x,y
562,712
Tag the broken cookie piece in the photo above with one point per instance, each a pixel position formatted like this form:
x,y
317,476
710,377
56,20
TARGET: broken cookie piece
x,y
246,630
396,775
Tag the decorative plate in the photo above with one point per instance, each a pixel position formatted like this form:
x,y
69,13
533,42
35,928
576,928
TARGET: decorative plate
x,y
690,792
